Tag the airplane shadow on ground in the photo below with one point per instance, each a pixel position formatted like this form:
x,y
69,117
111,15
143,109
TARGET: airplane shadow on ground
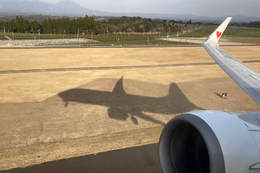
x,y
122,105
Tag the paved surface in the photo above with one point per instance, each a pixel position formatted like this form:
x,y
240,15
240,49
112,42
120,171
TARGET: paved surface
x,y
106,68
116,67
136,159
59,116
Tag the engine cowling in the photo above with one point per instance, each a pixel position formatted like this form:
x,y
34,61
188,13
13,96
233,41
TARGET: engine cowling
x,y
210,142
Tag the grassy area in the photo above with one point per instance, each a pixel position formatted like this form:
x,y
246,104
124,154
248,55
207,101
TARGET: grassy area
x,y
124,38
242,32
129,39
203,32
229,32
139,38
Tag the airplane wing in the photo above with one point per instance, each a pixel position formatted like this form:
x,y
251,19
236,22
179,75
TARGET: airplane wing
x,y
247,78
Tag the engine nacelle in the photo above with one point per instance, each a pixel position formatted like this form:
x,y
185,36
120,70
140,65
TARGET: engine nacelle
x,y
210,142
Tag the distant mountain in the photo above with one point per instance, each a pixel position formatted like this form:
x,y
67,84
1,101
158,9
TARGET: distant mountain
x,y
30,18
70,8
65,7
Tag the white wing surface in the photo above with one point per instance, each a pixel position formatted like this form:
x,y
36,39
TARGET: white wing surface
x,y
247,78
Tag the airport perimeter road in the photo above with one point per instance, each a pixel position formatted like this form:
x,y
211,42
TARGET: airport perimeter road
x,y
111,104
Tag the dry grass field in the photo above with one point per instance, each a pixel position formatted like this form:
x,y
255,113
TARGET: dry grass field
x,y
52,115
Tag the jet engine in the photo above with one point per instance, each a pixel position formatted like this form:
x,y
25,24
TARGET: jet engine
x,y
211,142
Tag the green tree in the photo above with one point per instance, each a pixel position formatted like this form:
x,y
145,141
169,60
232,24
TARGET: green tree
x,y
66,26
99,28
137,27
7,26
149,27
49,26
26,25
154,24
12,26
44,26
34,26
91,23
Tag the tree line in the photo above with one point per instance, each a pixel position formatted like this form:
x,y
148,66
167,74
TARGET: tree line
x,y
138,24
55,26
87,25
255,24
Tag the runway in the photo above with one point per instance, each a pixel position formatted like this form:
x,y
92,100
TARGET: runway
x,y
109,68
106,68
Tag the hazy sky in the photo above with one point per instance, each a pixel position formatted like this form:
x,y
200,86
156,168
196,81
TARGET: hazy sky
x,y
195,7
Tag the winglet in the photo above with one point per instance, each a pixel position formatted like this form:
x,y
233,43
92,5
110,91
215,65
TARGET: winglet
x,y
215,36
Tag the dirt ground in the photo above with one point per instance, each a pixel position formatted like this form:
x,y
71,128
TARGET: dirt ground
x,y
47,116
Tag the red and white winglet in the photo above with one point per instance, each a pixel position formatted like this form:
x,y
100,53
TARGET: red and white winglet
x,y
215,36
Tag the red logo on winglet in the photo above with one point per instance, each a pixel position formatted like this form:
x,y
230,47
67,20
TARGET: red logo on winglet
x,y
218,34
